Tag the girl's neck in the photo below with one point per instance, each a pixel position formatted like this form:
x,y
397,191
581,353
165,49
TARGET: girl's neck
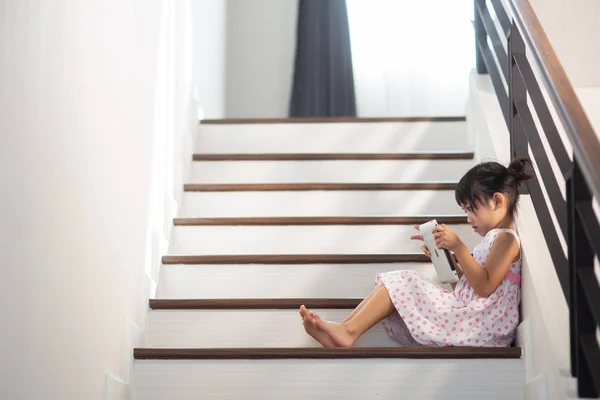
x,y
506,223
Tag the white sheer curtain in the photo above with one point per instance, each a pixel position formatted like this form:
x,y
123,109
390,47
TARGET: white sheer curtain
x,y
411,57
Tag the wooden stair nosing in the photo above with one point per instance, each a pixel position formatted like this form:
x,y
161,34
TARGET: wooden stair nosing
x,y
232,121
331,156
273,221
327,353
252,304
259,187
297,259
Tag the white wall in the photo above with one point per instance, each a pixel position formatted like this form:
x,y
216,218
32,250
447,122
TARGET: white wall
x,y
95,116
261,45
573,27
209,18
590,100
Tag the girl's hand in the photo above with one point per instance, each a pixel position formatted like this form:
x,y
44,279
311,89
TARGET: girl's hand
x,y
424,248
445,238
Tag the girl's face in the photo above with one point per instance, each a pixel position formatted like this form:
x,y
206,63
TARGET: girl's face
x,y
488,215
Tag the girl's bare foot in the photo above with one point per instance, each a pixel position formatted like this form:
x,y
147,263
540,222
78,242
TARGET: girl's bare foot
x,y
308,320
340,333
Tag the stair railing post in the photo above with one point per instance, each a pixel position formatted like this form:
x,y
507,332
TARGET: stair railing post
x,y
517,93
574,348
581,257
480,36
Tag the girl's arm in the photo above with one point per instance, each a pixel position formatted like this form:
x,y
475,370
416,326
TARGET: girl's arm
x,y
484,281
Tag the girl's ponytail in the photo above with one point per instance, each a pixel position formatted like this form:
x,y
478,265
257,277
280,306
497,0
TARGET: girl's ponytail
x,y
516,171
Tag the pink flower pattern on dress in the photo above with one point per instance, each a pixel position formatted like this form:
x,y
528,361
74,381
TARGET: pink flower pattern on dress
x,y
428,315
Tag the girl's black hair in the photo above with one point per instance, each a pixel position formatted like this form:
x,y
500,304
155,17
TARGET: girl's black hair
x,y
485,179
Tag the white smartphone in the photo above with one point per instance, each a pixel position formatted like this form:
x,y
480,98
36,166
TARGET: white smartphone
x,y
441,258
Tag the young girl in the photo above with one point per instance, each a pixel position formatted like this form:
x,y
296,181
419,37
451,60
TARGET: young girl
x,y
483,308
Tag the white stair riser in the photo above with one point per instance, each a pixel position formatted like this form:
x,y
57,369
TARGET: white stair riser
x,y
244,328
276,281
329,171
329,379
319,203
333,138
352,239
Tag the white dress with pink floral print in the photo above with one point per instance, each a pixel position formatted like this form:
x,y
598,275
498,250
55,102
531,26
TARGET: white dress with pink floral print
x,y
428,315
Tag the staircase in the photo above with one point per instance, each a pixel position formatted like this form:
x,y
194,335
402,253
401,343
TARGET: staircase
x,y
278,213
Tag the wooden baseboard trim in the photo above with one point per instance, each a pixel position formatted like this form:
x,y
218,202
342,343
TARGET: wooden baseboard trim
x,y
334,156
322,353
276,221
268,187
297,259
226,121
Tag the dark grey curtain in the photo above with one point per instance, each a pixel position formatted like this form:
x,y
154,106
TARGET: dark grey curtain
x,y
323,78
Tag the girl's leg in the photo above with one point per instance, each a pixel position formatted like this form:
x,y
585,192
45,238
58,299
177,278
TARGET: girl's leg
x,y
361,305
308,320
344,334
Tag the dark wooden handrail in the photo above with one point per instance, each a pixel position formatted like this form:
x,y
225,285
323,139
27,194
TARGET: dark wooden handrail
x,y
585,141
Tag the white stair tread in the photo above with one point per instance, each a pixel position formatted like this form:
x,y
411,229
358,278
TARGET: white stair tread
x,y
329,171
385,137
243,328
319,203
329,379
345,239
276,281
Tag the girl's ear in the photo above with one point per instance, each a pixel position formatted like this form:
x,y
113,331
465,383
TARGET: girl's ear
x,y
499,200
